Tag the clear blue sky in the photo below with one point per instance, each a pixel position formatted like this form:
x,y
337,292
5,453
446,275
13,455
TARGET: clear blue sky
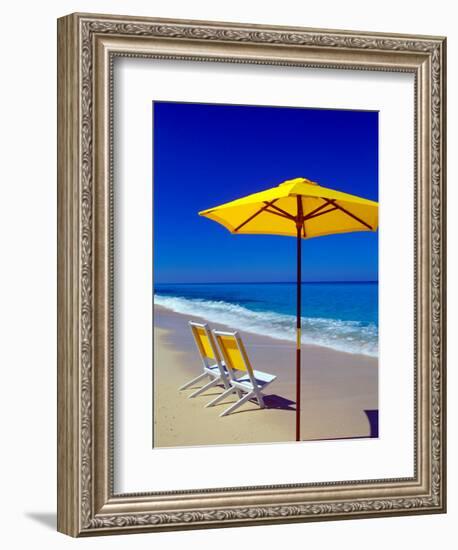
x,y
205,155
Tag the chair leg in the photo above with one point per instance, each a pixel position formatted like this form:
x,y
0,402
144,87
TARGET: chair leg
x,y
260,400
219,398
235,406
192,382
204,388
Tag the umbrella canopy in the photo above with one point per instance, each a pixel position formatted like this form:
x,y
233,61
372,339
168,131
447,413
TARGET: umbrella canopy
x,y
324,211
303,209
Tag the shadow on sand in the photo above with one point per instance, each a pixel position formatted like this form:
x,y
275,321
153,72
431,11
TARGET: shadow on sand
x,y
372,416
278,402
270,401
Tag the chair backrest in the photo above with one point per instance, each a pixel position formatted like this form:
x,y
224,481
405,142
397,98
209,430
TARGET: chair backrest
x,y
205,343
234,353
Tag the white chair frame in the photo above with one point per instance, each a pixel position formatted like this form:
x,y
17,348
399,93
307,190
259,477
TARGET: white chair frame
x,y
246,390
213,369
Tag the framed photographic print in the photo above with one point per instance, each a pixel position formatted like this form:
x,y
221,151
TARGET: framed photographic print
x,y
251,281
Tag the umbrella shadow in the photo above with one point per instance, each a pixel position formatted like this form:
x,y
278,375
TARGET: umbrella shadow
x,y
372,416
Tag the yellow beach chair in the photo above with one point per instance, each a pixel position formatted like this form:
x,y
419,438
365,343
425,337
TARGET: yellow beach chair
x,y
213,367
246,382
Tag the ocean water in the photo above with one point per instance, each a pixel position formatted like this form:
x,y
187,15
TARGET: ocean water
x,y
341,316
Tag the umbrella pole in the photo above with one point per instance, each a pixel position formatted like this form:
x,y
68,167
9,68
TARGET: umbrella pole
x,y
298,336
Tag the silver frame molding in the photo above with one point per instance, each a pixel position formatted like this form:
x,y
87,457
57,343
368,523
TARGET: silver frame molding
x,y
87,45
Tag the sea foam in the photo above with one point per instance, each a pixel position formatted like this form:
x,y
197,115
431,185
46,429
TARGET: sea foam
x,y
346,336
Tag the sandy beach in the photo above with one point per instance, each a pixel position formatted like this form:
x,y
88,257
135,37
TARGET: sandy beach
x,y
339,391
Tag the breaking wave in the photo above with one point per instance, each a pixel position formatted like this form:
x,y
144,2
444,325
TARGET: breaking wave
x,y
347,336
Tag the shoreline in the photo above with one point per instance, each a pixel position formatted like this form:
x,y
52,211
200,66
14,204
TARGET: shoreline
x,y
324,329
337,388
275,340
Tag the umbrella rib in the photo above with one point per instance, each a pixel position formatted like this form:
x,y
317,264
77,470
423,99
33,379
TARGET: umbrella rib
x,y
313,212
322,213
278,214
353,216
267,204
284,212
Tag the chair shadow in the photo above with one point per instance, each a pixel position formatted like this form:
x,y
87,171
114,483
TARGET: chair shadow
x,y
271,401
372,416
274,401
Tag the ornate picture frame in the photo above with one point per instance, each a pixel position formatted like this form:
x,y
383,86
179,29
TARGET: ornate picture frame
x,y
87,45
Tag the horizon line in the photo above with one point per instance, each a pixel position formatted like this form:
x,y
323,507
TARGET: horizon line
x,y
263,282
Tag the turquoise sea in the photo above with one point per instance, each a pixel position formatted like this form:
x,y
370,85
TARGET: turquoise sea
x,y
342,316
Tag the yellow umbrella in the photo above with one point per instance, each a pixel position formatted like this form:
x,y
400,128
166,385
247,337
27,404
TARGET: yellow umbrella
x,y
303,209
